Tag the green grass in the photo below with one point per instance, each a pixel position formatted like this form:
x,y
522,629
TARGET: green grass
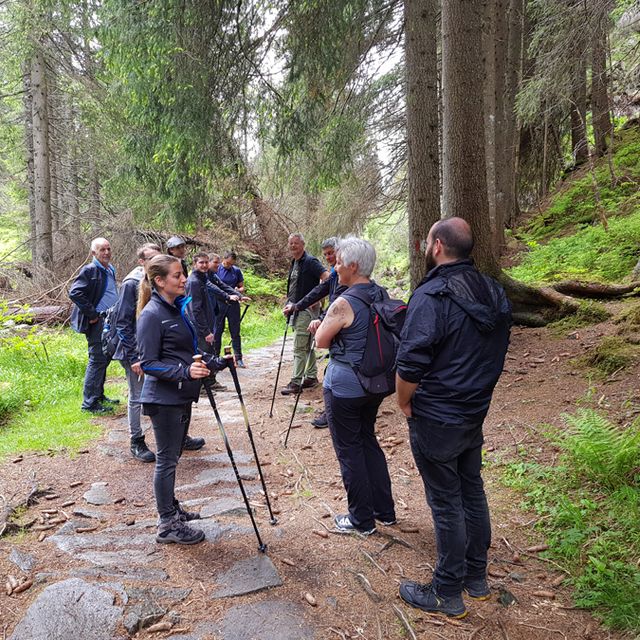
x,y
260,327
41,378
567,241
589,505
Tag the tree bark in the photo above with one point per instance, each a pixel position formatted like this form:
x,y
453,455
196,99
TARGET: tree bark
x,y
43,248
489,48
423,165
27,103
463,157
500,62
599,81
579,142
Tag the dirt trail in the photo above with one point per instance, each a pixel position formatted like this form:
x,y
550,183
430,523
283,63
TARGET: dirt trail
x,y
353,581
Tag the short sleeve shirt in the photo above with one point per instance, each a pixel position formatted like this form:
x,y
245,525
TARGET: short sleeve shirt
x,y
231,276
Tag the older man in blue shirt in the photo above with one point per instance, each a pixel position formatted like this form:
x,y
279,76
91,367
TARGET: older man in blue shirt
x,y
93,292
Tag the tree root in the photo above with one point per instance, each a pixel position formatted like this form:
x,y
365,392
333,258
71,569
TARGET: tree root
x,y
9,510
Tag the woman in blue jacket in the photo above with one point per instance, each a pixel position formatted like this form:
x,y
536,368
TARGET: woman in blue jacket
x,y
167,342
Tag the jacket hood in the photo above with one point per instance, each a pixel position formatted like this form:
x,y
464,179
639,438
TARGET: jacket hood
x,y
136,273
470,290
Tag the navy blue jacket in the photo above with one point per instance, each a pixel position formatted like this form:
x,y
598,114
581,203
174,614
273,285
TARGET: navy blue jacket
x,y
167,342
330,287
127,349
86,292
200,307
309,274
454,343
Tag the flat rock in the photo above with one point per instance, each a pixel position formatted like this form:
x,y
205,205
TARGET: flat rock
x,y
223,507
284,620
98,494
218,475
24,561
70,610
114,452
222,458
247,576
87,513
128,573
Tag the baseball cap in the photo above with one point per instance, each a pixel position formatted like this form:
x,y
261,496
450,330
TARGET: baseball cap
x,y
174,241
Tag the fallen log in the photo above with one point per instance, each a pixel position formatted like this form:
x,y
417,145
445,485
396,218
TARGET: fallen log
x,y
596,289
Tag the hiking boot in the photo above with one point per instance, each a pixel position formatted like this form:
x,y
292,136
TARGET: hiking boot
x,y
110,401
344,525
423,596
310,383
216,386
140,451
185,516
240,364
193,444
291,389
389,522
176,531
320,422
99,410
477,588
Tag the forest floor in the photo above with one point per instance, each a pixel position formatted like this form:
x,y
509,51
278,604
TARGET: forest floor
x,y
352,581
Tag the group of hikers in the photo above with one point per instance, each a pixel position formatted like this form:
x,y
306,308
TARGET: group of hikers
x,y
448,357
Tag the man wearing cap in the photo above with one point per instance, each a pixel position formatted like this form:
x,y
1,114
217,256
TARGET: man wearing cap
x,y
93,292
177,248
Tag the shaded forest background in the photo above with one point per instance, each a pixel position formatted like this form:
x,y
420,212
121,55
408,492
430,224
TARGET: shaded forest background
x,y
238,122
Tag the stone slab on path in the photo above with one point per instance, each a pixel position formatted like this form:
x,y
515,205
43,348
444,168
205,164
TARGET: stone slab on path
x,y
24,561
224,507
122,572
247,576
70,610
284,620
98,494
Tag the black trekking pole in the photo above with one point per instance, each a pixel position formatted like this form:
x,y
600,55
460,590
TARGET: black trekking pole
x,y
244,313
236,382
275,386
304,375
262,547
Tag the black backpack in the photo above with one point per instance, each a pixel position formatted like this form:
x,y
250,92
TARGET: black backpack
x,y
109,338
377,370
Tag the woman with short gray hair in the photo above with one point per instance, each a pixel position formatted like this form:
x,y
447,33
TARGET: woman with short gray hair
x,y
351,410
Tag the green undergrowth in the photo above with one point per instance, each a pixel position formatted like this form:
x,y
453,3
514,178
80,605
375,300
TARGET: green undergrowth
x,y
567,240
589,313
612,354
41,378
260,327
589,508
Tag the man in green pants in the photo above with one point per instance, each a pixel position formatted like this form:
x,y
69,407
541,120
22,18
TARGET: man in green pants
x,y
304,274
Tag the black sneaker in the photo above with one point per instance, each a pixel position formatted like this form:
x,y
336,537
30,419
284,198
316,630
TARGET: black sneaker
x,y
110,401
388,522
344,525
291,389
477,588
178,532
321,422
140,451
310,383
99,410
423,596
240,364
185,516
193,444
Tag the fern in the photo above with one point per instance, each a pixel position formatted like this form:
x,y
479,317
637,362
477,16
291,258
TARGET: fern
x,y
600,452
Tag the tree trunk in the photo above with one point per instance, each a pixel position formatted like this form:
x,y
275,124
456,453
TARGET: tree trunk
x,y
512,133
27,103
43,249
423,166
579,142
489,48
500,61
463,159
599,81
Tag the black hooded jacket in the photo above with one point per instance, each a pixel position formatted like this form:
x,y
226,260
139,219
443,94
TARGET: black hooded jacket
x,y
454,343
